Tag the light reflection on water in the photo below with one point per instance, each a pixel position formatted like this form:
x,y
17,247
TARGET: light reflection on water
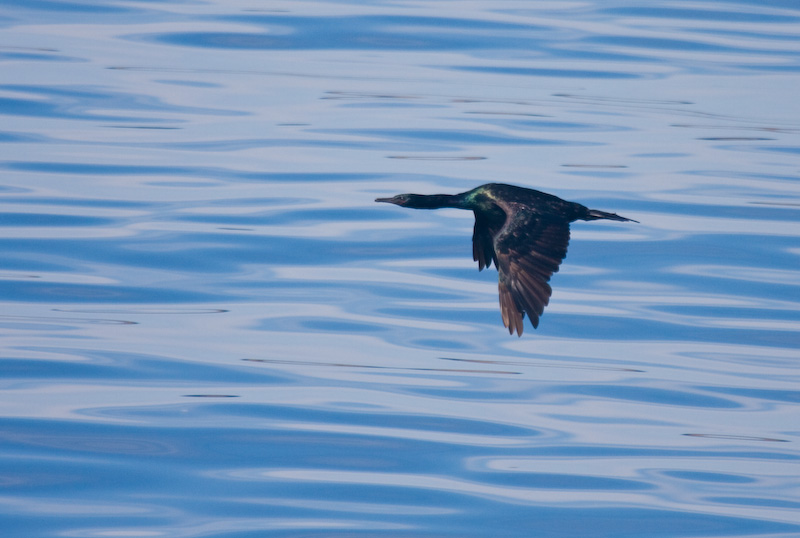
x,y
209,328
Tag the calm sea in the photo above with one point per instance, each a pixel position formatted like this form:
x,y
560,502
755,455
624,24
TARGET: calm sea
x,y
209,329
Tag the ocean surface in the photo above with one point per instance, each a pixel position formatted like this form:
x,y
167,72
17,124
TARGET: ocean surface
x,y
209,329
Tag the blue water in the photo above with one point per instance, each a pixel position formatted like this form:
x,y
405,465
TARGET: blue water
x,y
209,329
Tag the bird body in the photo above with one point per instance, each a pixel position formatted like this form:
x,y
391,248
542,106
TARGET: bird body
x,y
524,232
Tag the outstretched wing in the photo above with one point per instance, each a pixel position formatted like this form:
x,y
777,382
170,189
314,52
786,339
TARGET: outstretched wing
x,y
528,250
483,241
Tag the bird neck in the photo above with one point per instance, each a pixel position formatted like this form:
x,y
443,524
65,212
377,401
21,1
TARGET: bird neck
x,y
435,201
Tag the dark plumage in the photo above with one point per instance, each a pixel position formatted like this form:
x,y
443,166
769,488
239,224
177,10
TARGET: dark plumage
x,y
523,231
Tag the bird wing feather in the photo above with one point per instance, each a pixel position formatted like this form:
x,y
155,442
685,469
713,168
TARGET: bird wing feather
x,y
528,249
482,242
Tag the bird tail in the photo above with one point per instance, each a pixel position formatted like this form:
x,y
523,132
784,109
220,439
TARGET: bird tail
x,y
595,214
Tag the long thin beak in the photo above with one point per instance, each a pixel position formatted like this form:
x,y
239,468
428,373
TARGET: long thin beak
x,y
387,200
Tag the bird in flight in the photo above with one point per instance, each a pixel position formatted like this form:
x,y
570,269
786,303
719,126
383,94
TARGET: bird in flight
x,y
523,231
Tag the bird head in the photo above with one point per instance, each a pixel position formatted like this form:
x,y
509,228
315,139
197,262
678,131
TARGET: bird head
x,y
401,199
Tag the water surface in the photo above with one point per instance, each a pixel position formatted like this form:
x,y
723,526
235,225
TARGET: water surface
x,y
210,329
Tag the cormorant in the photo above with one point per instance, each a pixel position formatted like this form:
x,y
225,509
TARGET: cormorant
x,y
523,231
